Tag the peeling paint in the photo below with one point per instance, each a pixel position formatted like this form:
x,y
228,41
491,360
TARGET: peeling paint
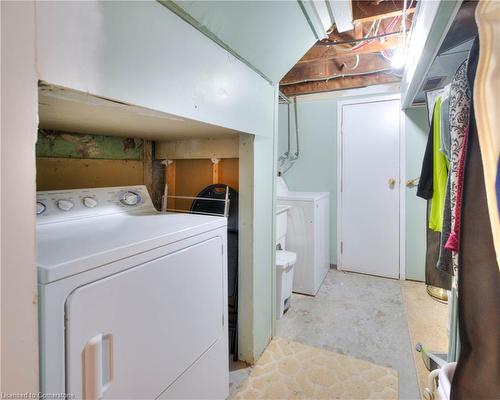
x,y
58,144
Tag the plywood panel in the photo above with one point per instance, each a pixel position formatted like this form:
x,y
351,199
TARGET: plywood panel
x,y
221,147
67,173
216,171
347,82
191,176
170,178
229,172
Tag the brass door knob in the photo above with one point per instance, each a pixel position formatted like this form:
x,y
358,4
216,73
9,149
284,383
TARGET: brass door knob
x,y
392,183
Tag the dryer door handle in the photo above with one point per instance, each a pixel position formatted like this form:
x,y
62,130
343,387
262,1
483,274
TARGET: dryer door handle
x,y
92,369
98,366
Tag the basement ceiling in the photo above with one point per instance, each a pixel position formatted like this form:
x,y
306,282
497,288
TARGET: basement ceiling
x,y
356,58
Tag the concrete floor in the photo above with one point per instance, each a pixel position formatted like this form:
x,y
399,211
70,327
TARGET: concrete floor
x,y
360,316
238,372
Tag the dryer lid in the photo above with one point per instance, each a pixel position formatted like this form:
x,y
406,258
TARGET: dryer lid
x,y
72,247
303,196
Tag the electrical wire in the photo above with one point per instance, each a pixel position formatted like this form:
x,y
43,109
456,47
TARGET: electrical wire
x,y
358,46
385,56
289,161
327,42
355,64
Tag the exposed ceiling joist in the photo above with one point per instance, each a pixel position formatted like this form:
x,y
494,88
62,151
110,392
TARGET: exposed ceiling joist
x,y
341,83
363,10
393,14
363,53
380,27
328,53
329,69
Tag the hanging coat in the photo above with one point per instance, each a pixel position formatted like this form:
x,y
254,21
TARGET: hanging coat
x,y
459,111
478,370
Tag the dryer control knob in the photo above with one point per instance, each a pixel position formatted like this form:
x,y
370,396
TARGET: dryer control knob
x,y
40,207
64,205
89,202
130,198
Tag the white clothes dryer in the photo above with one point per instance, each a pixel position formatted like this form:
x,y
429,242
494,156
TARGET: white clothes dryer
x,y
132,302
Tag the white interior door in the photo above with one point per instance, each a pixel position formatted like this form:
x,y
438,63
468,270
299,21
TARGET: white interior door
x,y
369,198
129,336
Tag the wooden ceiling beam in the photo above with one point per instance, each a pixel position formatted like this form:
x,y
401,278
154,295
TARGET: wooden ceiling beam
x,y
390,42
381,44
348,82
362,28
364,10
339,66
327,67
392,14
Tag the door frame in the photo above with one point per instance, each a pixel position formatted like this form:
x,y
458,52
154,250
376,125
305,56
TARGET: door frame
x,y
401,177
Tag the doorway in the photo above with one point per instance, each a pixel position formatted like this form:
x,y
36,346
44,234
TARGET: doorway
x,y
369,186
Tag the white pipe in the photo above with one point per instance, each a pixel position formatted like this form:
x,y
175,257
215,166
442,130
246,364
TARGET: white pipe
x,y
290,161
296,156
284,157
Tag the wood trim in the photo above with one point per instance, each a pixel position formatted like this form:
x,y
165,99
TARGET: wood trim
x,y
170,179
216,170
148,165
220,147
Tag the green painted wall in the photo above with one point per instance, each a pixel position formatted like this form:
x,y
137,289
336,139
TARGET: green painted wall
x,y
264,242
416,131
316,169
69,145
129,57
239,25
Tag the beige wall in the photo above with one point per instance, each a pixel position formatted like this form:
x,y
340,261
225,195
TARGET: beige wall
x,y
75,173
19,343
192,176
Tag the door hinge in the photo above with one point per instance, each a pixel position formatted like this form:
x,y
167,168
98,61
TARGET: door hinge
x,y
222,319
341,247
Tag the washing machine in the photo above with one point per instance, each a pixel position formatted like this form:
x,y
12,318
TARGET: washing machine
x,y
308,235
132,302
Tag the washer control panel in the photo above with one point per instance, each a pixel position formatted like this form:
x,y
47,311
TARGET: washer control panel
x,y
63,205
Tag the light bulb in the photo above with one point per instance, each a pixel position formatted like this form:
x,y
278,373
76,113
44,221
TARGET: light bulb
x,y
398,59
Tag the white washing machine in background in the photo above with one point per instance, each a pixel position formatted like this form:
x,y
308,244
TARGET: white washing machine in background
x,y
308,235
133,303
